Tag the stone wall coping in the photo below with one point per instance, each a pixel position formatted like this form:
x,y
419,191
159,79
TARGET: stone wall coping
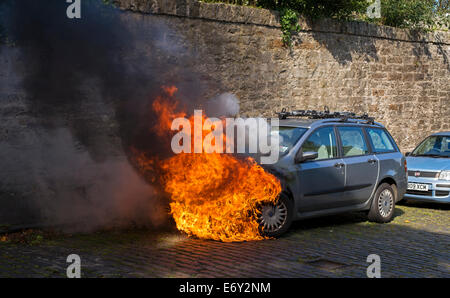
x,y
222,12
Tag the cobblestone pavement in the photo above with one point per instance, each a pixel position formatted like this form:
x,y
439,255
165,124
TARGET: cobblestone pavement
x,y
415,244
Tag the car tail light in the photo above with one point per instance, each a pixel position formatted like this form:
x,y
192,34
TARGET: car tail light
x,y
406,167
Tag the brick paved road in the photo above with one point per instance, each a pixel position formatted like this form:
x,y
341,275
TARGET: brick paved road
x,y
415,244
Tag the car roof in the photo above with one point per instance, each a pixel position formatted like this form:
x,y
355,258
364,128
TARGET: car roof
x,y
442,133
308,123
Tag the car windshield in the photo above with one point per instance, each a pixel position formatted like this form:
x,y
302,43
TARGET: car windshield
x,y
434,146
288,136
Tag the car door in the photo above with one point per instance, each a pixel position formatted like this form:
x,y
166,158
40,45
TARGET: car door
x,y
321,180
361,165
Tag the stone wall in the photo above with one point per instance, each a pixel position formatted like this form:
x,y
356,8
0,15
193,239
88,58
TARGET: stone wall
x,y
59,134
399,76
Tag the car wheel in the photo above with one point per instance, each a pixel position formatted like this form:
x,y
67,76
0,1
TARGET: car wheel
x,y
275,219
383,204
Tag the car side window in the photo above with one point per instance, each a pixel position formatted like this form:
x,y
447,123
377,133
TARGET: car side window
x,y
380,140
353,142
322,141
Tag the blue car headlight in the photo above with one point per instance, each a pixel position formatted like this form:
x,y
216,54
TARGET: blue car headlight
x,y
444,175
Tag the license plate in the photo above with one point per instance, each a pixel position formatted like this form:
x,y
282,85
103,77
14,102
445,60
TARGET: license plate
x,y
418,186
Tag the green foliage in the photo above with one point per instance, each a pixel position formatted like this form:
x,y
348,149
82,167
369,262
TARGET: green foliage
x,y
442,6
38,240
289,24
109,2
235,2
314,9
415,14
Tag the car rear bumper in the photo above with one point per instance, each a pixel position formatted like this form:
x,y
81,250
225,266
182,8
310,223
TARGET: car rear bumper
x,y
439,190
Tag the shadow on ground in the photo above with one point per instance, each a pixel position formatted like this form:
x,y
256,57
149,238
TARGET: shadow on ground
x,y
427,205
335,246
335,220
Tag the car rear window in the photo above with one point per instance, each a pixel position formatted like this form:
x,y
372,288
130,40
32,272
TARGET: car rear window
x,y
380,140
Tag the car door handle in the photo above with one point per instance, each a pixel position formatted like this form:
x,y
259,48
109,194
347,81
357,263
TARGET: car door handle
x,y
339,165
372,161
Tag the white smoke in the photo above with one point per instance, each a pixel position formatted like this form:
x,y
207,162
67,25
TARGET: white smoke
x,y
222,105
261,138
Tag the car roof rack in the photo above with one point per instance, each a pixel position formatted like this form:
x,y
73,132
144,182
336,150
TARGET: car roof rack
x,y
325,114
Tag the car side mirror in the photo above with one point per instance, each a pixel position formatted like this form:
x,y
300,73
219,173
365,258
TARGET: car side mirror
x,y
304,156
407,153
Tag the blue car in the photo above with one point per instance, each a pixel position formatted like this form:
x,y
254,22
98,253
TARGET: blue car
x,y
429,170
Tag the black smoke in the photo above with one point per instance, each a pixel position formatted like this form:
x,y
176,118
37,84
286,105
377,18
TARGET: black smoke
x,y
63,57
83,77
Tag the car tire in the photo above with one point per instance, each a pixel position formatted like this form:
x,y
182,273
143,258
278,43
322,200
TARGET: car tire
x,y
383,204
277,221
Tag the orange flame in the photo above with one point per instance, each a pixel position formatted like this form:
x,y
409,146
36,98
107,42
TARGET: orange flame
x,y
165,111
212,196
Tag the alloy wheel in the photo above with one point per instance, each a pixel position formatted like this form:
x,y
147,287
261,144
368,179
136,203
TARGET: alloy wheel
x,y
385,202
273,217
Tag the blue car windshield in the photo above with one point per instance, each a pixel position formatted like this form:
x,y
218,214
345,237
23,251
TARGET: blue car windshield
x,y
288,137
434,146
